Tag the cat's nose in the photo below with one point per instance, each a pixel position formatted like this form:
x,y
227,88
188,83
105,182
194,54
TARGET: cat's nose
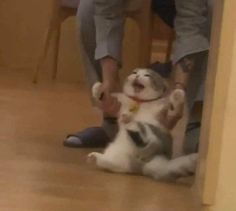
x,y
136,80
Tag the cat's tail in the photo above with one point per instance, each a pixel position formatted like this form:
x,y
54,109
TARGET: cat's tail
x,y
161,168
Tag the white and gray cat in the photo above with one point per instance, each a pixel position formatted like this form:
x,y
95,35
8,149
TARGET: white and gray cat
x,y
143,144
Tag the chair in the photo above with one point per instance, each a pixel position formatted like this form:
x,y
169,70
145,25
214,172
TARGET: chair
x,y
60,11
162,31
63,9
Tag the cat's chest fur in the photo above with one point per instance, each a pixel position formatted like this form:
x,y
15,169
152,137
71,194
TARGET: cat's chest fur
x,y
142,111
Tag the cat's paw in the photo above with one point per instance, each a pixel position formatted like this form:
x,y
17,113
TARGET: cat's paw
x,y
92,157
97,91
177,102
177,97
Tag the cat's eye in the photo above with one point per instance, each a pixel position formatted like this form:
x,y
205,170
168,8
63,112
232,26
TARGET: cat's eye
x,y
134,72
147,75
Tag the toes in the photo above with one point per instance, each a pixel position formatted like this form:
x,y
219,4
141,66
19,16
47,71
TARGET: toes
x,y
92,157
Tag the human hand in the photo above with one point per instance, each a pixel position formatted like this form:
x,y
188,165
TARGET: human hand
x,y
108,104
125,118
110,77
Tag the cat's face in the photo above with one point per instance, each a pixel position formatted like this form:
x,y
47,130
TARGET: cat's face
x,y
144,84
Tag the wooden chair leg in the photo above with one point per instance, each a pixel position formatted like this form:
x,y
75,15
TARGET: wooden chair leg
x,y
56,48
145,25
145,44
54,17
43,52
169,47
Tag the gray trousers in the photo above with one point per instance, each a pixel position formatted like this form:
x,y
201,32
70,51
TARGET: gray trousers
x,y
192,26
101,29
101,25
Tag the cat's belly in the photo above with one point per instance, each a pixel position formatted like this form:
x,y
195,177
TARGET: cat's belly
x,y
149,113
147,118
121,145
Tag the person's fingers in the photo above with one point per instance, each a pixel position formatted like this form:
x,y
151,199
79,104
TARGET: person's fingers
x,y
110,105
114,107
107,102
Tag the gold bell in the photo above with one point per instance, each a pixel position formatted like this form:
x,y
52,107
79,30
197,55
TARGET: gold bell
x,y
134,108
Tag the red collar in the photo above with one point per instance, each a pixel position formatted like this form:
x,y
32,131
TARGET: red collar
x,y
138,100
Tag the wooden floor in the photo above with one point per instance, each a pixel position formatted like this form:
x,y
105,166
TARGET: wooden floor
x,y
38,174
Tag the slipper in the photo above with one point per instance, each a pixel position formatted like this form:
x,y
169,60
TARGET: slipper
x,y
192,126
93,137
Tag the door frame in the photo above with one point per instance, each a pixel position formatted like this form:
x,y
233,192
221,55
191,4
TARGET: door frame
x,y
219,115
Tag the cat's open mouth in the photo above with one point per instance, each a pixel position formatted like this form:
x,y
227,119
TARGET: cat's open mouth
x,y
138,87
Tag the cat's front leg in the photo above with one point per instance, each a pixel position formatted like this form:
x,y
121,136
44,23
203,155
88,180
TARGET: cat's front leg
x,y
126,113
177,101
97,92
174,110
110,104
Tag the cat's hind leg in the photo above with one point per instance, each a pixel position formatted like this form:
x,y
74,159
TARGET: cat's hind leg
x,y
107,163
93,156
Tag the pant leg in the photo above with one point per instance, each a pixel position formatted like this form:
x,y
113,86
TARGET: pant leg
x,y
101,26
192,24
89,29
101,29
109,20
87,40
203,63
192,27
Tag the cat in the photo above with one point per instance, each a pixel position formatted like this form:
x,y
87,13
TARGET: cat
x,y
143,144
